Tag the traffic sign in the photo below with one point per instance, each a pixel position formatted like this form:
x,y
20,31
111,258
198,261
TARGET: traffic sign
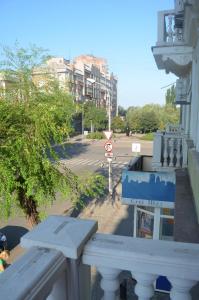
x,y
108,146
136,147
109,159
108,154
108,134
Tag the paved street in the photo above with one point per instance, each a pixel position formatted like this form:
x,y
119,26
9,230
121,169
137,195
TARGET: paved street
x,y
88,156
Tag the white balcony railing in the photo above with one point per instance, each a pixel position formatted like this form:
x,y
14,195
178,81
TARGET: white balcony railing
x,y
170,150
61,271
168,32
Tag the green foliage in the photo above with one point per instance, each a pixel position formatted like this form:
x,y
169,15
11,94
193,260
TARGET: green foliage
x,y
95,135
148,121
170,96
93,186
121,111
95,116
151,117
30,122
118,124
148,137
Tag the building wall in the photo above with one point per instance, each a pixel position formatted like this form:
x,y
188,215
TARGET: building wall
x,y
87,79
179,54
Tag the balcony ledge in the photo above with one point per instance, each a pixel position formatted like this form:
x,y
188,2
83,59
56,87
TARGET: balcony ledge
x,y
176,59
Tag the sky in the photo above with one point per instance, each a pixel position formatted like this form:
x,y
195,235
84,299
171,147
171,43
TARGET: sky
x,y
122,31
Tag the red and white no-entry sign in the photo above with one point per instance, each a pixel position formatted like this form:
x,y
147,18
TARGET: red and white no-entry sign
x,y
108,146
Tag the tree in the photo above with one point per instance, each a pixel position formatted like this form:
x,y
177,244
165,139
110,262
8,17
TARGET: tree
x,y
31,121
170,96
118,125
133,119
149,121
121,111
97,117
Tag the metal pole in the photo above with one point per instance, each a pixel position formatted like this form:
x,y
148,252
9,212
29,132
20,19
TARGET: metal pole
x,y
109,178
109,160
109,113
82,122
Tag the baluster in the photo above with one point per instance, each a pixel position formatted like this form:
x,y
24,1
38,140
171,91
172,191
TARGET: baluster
x,y
171,156
170,32
109,282
180,288
165,155
144,288
178,154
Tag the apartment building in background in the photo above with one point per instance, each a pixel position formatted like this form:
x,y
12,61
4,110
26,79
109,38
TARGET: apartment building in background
x,y
86,78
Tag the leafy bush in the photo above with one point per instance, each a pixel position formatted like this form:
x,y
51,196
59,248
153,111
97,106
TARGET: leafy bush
x,y
93,186
95,135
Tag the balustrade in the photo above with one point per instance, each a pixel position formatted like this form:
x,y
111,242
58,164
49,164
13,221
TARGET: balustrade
x,y
170,150
168,31
44,273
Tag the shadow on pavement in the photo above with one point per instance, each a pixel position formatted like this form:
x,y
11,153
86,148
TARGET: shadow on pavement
x,y
69,150
13,234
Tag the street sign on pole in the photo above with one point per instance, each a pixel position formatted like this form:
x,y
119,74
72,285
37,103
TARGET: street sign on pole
x,y
108,134
136,147
108,146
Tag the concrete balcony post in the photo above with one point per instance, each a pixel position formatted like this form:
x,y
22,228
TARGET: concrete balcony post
x,y
171,144
184,151
161,28
68,235
181,288
157,150
178,154
109,282
144,288
37,274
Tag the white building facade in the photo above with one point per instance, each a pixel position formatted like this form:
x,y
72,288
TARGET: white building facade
x,y
177,51
87,78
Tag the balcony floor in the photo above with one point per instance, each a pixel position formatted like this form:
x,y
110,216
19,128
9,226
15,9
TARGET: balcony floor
x,y
186,227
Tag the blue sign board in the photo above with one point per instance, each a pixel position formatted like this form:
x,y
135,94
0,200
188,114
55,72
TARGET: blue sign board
x,y
155,189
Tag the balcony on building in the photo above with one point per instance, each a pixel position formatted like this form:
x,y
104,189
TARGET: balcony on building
x,y
173,51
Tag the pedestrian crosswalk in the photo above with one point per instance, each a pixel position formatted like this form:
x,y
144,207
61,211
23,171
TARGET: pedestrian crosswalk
x,y
76,162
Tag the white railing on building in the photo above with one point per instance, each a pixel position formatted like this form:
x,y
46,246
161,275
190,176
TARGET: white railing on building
x,y
170,150
168,32
61,269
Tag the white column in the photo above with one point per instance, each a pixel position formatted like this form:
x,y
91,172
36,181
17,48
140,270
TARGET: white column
x,y
144,288
180,288
109,282
171,156
178,154
161,28
135,222
157,150
156,226
184,151
165,155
